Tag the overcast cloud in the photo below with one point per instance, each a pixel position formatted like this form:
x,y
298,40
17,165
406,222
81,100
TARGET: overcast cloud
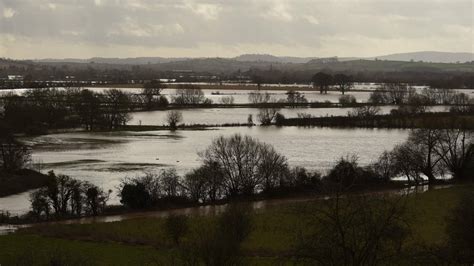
x,y
131,28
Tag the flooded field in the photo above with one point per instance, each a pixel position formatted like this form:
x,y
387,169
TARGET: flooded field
x,y
105,158
217,116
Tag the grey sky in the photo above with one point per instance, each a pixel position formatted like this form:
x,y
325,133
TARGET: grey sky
x,y
131,28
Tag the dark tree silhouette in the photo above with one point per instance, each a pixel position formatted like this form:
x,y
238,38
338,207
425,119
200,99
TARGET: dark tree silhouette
x,y
343,82
322,81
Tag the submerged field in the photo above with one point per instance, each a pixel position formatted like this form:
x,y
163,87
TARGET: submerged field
x,y
144,241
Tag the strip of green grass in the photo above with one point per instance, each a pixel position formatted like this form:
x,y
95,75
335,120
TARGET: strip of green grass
x,y
273,234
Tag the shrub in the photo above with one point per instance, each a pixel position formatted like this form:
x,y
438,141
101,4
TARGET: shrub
x,y
135,196
279,119
347,99
347,173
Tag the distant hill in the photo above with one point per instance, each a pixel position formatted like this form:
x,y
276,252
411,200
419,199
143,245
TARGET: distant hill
x,y
434,57
429,56
272,58
116,61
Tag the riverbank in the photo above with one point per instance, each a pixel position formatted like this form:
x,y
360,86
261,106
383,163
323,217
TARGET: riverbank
x,y
21,181
273,238
113,213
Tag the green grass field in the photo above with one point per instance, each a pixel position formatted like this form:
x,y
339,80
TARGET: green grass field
x,y
144,242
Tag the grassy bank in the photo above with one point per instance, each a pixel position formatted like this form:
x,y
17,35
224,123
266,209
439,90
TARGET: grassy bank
x,y
21,181
144,241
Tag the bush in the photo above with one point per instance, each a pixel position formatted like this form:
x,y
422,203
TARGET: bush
x,y
364,111
227,100
135,196
347,99
151,190
347,173
279,119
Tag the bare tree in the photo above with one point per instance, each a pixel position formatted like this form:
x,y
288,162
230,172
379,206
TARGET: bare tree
x,y
354,230
424,142
188,94
205,183
343,82
257,97
169,180
245,163
456,150
383,167
267,115
173,117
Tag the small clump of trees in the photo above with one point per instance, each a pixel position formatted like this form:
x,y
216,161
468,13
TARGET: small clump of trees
x,y
227,100
151,95
365,111
14,155
40,109
410,101
295,98
152,190
266,114
190,95
323,81
67,197
431,153
347,99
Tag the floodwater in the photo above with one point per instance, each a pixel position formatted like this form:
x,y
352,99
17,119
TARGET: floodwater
x,y
106,158
219,116
360,91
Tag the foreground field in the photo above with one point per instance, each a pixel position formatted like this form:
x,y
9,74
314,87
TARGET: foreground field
x,y
144,241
